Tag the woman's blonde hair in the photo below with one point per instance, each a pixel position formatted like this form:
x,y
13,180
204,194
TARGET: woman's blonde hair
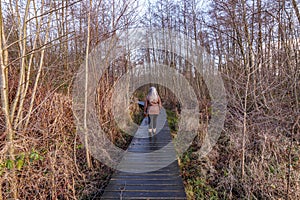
x,y
152,95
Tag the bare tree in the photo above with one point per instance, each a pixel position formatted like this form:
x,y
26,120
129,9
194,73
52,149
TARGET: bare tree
x,y
88,156
5,102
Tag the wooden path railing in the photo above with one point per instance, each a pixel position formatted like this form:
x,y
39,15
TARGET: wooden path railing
x,y
143,173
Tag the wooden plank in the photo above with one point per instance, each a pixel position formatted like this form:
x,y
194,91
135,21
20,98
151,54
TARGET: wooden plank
x,y
141,198
136,194
146,182
142,187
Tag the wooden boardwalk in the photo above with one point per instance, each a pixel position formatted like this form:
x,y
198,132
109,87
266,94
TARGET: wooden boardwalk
x,y
149,170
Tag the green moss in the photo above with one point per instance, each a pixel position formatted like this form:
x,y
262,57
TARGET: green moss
x,y
196,185
199,189
172,118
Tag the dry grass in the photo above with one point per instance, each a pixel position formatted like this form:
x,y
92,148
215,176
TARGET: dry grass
x,y
272,151
50,160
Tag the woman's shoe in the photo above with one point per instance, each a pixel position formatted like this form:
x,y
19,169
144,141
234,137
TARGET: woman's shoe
x,y
154,131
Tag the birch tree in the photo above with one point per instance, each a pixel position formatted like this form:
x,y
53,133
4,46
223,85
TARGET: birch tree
x,y
5,104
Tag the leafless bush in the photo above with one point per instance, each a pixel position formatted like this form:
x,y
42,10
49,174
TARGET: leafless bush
x,y
50,160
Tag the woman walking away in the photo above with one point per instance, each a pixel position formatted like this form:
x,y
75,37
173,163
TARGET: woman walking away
x,y
152,108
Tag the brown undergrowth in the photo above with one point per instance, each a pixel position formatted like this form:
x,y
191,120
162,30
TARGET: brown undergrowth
x,y
50,160
272,150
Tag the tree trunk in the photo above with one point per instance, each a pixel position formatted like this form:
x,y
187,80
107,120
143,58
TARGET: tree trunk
x,y
88,156
5,105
